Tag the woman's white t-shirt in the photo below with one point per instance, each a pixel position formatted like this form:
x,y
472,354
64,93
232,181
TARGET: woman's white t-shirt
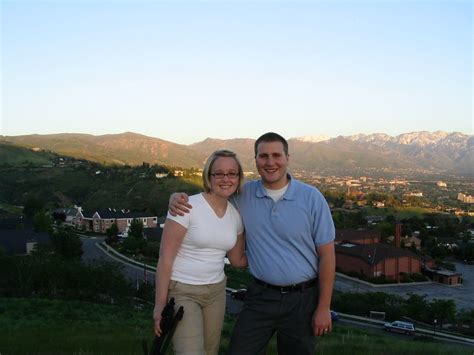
x,y
200,259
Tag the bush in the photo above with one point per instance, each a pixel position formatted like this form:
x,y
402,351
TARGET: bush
x,y
379,280
151,249
133,245
111,239
418,277
55,277
404,277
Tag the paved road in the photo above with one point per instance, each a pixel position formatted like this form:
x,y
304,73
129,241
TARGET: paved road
x,y
463,295
93,253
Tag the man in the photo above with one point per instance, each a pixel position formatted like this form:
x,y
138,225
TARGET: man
x,y
290,249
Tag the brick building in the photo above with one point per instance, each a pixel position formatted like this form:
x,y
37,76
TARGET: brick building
x,y
376,259
360,251
99,221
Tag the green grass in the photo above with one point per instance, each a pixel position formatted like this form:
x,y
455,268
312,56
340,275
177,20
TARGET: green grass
x,y
11,208
38,326
237,278
354,341
35,326
19,156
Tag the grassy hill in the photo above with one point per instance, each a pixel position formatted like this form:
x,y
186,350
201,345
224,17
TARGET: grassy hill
x,y
39,326
19,156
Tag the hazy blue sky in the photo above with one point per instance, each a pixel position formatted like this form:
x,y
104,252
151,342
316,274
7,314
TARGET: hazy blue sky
x,y
187,70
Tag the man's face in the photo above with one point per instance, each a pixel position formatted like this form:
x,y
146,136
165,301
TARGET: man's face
x,y
272,164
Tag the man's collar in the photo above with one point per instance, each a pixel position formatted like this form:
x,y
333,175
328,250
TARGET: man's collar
x,y
289,194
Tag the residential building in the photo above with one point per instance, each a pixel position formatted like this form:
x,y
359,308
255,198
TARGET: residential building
x,y
99,221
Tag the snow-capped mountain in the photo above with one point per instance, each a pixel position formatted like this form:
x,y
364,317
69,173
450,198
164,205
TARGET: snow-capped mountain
x,y
421,139
313,139
436,150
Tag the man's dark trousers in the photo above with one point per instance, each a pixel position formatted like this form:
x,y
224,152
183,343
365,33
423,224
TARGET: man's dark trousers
x,y
267,311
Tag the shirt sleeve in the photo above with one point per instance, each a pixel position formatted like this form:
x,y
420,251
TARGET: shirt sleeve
x,y
183,220
323,225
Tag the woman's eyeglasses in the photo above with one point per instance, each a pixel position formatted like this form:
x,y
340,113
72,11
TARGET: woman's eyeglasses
x,y
220,175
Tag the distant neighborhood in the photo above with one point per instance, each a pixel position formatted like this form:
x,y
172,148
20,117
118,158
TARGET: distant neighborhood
x,y
384,192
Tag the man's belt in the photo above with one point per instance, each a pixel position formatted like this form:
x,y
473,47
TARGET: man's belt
x,y
289,288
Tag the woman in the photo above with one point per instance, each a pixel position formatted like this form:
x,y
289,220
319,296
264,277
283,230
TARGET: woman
x,y
192,252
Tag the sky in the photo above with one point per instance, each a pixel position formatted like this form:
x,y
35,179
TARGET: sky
x,y
187,70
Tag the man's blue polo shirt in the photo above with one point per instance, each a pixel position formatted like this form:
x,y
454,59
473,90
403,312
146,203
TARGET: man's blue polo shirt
x,y
282,236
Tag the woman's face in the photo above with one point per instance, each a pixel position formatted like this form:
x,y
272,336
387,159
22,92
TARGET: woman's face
x,y
224,177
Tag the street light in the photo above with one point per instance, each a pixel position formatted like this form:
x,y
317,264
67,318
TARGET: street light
x,y
434,326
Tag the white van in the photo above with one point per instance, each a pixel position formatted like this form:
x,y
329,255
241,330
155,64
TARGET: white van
x,y
400,327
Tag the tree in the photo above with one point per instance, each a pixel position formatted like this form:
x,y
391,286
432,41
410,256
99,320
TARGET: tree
x,y
439,252
466,316
32,206
468,252
442,310
338,218
386,229
337,198
416,306
112,231
67,244
136,229
42,222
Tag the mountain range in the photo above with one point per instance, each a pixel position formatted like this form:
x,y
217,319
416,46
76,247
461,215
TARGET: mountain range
x,y
434,152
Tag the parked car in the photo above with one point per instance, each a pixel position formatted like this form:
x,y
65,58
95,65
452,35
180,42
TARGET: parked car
x,y
400,327
334,316
239,294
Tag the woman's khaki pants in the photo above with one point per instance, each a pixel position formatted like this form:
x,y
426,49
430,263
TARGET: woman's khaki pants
x,y
199,332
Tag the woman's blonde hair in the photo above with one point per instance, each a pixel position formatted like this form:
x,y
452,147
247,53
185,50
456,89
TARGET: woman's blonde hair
x,y
206,174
